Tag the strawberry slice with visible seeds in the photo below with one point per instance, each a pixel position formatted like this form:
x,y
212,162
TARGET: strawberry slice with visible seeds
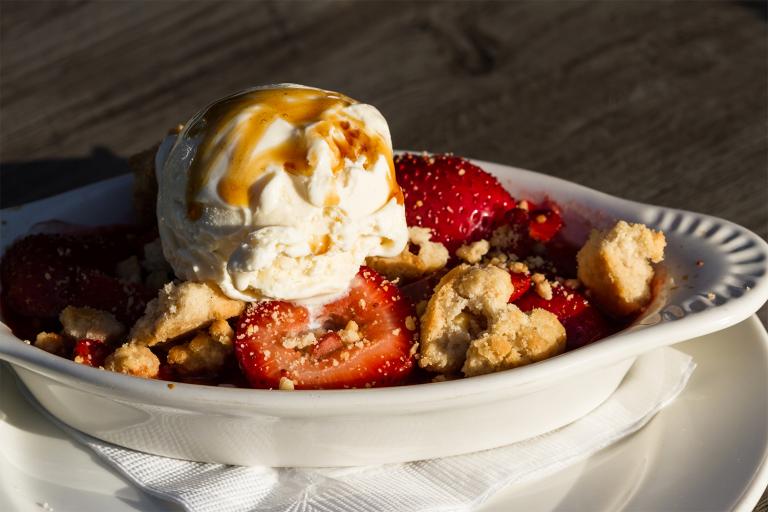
x,y
91,352
42,274
36,285
457,200
378,355
583,322
123,299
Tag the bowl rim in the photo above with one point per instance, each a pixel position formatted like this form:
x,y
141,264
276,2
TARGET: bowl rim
x,y
612,349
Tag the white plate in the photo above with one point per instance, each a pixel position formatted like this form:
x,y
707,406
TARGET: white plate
x,y
375,426
706,451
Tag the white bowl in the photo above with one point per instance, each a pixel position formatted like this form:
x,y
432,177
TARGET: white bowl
x,y
374,426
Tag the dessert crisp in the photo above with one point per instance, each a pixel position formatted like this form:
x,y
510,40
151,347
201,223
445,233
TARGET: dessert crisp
x,y
280,244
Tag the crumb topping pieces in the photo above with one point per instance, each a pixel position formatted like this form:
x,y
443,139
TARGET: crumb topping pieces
x,y
421,257
469,326
92,324
180,309
474,252
132,359
615,265
542,286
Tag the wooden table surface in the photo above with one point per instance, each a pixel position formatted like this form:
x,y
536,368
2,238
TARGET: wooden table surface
x,y
659,102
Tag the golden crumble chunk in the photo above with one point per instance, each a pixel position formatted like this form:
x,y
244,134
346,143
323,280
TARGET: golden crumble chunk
x,y
51,342
202,356
222,332
181,309
542,286
92,324
517,340
474,252
409,266
132,359
615,265
469,325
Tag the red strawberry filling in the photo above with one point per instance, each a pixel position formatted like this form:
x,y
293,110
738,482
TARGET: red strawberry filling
x,y
544,224
360,340
91,352
521,282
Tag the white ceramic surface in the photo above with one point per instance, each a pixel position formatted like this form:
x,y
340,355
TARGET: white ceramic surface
x,y
668,465
352,427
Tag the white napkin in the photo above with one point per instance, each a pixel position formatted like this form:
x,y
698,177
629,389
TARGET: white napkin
x,y
453,483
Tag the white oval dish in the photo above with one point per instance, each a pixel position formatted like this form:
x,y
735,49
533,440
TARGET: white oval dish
x,y
374,426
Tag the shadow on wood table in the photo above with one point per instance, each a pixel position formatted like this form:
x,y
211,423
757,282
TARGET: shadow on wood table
x,y
56,175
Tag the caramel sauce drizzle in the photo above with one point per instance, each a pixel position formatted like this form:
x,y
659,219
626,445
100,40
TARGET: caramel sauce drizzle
x,y
220,128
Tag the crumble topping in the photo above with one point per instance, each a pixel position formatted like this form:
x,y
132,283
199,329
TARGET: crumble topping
x,y
615,264
300,341
206,354
519,267
181,309
351,333
542,286
51,342
133,359
92,324
474,252
504,237
519,339
408,265
470,327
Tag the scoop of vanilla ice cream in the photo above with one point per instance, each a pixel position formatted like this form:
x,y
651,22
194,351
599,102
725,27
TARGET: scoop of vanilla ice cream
x,y
279,192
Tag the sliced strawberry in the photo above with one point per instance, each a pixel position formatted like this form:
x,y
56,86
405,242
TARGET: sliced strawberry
x,y
43,273
544,224
123,299
91,352
380,357
583,322
459,201
521,283
36,284
100,248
